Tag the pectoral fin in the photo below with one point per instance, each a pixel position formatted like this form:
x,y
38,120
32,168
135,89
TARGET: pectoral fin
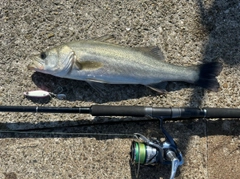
x,y
88,65
99,87
159,87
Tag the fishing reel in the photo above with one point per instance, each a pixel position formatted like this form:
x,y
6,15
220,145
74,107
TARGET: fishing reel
x,y
154,152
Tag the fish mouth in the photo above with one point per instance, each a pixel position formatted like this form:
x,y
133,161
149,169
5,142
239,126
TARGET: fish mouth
x,y
36,65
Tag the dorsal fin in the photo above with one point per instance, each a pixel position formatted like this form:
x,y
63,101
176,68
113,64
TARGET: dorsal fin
x,y
105,38
153,51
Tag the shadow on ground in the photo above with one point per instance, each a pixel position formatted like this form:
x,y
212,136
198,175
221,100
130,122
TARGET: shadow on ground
x,y
181,131
81,91
222,23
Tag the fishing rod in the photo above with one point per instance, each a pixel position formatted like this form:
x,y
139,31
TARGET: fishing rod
x,y
135,111
144,151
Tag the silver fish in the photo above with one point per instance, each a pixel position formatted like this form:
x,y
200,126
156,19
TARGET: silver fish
x,y
97,61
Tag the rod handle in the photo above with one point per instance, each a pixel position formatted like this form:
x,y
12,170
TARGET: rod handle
x,y
104,110
222,113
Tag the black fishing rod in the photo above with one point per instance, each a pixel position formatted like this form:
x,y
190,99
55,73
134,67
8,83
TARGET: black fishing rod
x,y
135,111
144,151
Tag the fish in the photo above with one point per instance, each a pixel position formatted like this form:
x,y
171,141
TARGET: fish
x,y
98,61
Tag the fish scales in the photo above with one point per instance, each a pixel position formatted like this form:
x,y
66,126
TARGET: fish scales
x,y
121,60
101,62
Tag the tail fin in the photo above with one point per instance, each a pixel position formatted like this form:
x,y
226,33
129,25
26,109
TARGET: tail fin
x,y
207,75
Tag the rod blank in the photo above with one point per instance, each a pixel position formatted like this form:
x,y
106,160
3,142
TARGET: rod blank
x,y
42,109
137,111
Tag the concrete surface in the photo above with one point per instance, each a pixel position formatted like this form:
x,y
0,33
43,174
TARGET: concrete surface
x,y
189,32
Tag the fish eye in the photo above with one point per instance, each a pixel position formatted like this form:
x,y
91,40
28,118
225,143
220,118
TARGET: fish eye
x,y
43,55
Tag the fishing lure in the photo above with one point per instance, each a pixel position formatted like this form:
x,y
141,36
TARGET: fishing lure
x,y
43,94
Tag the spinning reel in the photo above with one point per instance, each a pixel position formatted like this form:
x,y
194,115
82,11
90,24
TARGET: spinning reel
x,y
148,151
154,152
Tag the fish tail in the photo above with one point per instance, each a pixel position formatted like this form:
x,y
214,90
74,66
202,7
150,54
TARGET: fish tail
x,y
207,75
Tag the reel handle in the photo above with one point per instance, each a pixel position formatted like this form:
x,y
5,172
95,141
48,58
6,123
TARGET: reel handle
x,y
175,162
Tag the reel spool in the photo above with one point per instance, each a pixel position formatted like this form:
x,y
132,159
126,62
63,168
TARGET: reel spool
x,y
144,154
154,152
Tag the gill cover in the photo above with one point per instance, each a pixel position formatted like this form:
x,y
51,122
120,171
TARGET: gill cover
x,y
66,57
57,61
